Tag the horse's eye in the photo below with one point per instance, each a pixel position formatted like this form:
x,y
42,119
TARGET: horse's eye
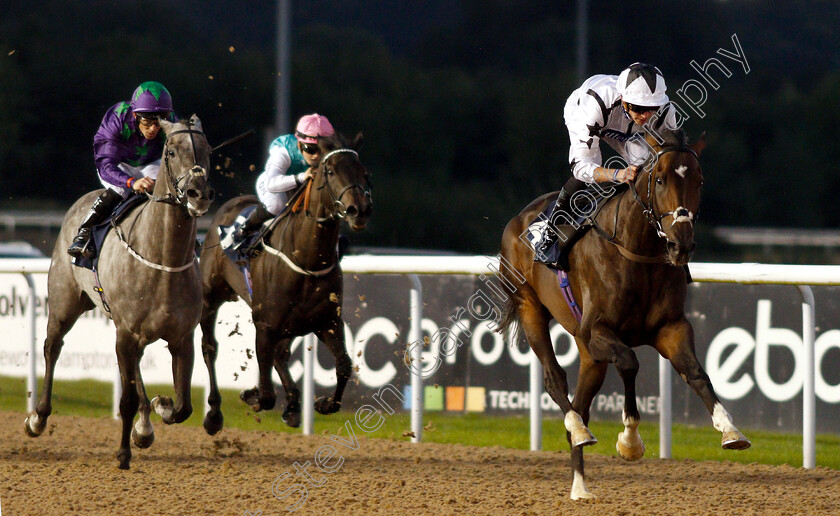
x,y
659,181
172,154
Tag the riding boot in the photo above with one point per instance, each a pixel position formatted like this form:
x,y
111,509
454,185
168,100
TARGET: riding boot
x,y
82,247
254,221
550,235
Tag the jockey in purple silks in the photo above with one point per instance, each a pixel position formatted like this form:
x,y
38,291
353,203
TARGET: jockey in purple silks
x,y
127,150
291,158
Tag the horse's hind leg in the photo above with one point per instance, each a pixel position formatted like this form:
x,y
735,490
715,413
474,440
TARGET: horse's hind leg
x,y
213,420
57,327
604,346
676,343
291,414
590,379
263,396
333,337
128,360
534,319
183,357
143,433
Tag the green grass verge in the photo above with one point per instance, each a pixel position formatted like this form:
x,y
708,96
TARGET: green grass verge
x,y
93,399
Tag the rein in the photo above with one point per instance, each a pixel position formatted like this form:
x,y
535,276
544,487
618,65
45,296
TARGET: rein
x,y
179,199
302,195
649,210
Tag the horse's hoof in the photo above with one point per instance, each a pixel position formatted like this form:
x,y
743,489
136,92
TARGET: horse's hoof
x,y
252,398
124,456
291,418
629,451
140,440
584,495
327,406
213,423
734,440
33,431
163,406
583,438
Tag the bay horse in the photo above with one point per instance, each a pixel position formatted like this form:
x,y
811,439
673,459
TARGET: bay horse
x,y
148,283
629,280
296,280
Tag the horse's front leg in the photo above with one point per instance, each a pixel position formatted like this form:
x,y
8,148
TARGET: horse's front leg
x,y
143,433
333,337
675,342
291,414
590,379
605,346
183,359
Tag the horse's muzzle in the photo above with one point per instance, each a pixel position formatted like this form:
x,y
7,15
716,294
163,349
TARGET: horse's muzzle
x,y
357,218
679,254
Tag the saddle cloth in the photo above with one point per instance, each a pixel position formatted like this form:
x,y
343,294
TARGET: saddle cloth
x,y
100,231
588,203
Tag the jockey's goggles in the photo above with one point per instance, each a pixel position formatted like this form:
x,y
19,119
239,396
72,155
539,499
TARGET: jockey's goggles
x,y
641,109
309,148
149,119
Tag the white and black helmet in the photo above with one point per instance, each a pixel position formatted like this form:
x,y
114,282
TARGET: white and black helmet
x,y
643,86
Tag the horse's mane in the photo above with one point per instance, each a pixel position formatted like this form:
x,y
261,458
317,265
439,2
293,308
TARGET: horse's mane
x,y
669,136
335,141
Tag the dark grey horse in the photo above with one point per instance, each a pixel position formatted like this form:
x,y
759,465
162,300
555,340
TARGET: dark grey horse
x,y
297,281
150,282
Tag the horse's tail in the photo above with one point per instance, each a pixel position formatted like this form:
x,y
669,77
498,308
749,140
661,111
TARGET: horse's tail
x,y
509,322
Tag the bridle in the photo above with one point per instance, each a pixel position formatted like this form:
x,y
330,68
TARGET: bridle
x,y
179,198
680,214
339,210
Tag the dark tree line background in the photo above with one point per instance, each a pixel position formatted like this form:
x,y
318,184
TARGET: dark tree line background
x,y
460,101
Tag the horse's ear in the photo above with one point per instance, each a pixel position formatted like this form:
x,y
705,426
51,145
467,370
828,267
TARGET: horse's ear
x,y
195,121
700,144
357,142
166,125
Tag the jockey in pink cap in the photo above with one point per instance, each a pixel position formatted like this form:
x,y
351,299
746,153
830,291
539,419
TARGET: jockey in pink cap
x,y
290,160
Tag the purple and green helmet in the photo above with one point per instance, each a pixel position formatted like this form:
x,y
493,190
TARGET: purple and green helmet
x,y
151,97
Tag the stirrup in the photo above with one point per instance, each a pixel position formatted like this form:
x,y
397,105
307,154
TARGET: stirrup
x,y
81,249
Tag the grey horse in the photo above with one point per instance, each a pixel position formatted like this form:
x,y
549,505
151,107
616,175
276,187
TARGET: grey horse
x,y
150,286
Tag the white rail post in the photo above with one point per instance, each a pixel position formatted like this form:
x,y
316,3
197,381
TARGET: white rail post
x,y
32,373
665,403
415,334
809,411
308,397
536,389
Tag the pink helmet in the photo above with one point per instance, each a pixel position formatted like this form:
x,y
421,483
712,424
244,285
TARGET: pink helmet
x,y
311,127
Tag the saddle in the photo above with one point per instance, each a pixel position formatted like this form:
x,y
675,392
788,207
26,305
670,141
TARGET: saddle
x,y
587,203
100,231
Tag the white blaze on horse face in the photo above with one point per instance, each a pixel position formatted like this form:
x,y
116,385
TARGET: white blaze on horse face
x,y
681,170
681,214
